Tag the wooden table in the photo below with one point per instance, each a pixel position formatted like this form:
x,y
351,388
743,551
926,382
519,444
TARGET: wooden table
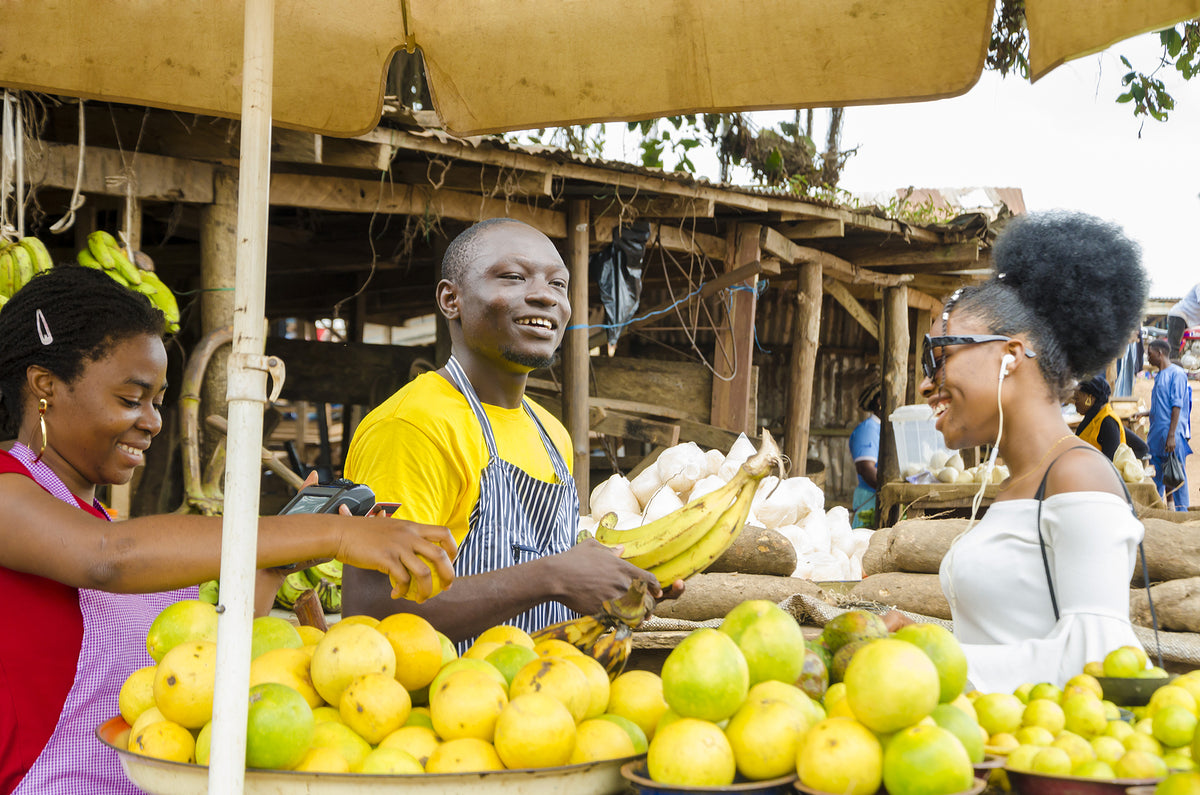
x,y
918,500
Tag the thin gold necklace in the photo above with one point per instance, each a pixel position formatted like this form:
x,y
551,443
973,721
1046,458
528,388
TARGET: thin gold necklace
x,y
1038,465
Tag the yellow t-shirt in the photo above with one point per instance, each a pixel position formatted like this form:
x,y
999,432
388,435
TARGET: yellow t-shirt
x,y
423,448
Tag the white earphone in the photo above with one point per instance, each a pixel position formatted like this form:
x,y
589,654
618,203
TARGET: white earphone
x,y
1004,363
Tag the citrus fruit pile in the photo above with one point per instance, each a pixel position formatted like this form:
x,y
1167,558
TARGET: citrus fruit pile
x,y
1072,730
387,697
752,701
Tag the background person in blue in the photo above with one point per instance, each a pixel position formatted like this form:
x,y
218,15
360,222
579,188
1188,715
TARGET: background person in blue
x,y
1170,417
864,448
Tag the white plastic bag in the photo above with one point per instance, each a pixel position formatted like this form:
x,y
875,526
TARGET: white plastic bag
x,y
614,495
681,466
662,503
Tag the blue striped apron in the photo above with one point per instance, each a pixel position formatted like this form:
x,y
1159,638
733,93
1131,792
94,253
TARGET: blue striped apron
x,y
518,517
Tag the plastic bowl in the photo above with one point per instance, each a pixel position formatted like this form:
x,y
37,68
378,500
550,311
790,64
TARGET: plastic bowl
x,y
1026,783
1133,692
635,773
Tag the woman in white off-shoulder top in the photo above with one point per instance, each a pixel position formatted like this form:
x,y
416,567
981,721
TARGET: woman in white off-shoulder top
x,y
1068,290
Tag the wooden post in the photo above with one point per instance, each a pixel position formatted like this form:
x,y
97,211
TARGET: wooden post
x,y
734,359
894,355
120,496
806,335
924,318
218,265
575,347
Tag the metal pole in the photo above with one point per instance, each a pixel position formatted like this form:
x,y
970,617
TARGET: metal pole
x,y
247,391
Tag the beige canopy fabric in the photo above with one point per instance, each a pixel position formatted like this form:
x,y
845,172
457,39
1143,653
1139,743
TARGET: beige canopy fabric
x,y
497,65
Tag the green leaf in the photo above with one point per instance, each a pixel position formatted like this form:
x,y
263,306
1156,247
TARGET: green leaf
x,y
1126,97
1125,61
1172,41
1139,91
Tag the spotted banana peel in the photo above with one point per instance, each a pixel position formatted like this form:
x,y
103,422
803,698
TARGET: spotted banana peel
x,y
606,636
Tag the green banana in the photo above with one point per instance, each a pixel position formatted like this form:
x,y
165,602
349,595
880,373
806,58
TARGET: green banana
x,y
162,297
290,589
85,258
209,592
330,596
24,266
330,570
664,538
38,253
111,256
8,274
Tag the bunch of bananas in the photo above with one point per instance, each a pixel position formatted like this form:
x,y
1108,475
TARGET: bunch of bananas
x,y
20,262
690,539
324,578
104,253
606,636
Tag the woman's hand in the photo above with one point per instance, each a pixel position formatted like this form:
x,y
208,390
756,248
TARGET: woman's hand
x,y
403,550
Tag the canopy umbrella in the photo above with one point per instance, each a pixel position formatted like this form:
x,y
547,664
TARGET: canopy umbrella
x,y
503,66
320,65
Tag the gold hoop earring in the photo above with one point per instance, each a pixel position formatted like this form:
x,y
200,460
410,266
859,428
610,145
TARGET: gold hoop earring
x,y
42,406
1089,401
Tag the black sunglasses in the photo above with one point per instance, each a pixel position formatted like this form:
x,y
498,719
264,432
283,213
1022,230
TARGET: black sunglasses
x,y
929,363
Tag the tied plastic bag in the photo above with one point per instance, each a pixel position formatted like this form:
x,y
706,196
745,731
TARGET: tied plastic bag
x,y
617,268
1172,474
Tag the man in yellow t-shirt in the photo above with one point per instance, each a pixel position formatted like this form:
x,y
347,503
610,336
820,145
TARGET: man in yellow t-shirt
x,y
462,447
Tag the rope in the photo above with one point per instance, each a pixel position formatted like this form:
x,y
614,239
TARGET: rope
x,y
77,197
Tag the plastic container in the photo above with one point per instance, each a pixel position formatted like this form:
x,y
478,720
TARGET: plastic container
x,y
916,437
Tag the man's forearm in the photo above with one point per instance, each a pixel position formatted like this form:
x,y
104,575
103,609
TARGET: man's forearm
x,y
467,608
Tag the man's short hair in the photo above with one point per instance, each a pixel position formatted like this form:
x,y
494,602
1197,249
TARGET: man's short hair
x,y
463,248
1159,345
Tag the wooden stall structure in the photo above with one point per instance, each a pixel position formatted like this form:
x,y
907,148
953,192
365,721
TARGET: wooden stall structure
x,y
759,309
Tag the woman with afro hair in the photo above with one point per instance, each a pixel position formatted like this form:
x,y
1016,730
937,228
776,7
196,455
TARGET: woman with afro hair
x,y
1040,585
82,377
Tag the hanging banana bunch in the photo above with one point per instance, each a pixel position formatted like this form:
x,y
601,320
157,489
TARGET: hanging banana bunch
x,y
20,261
105,254
325,579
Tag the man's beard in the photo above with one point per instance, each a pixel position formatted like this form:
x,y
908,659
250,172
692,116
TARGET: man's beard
x,y
530,360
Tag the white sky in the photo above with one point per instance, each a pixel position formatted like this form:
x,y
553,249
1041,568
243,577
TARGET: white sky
x,y
1064,141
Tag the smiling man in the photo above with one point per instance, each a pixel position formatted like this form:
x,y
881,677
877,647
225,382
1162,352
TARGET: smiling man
x,y
463,447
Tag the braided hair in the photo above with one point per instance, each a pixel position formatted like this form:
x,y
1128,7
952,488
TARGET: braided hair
x,y
1072,283
85,314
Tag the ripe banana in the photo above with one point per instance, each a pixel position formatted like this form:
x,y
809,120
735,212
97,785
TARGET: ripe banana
x,y
720,536
24,266
612,650
38,253
659,541
725,527
580,632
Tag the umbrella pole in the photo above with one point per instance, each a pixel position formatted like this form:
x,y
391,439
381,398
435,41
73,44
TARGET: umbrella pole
x,y
247,392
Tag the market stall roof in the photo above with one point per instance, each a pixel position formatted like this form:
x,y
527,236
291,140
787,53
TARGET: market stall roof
x,y
503,66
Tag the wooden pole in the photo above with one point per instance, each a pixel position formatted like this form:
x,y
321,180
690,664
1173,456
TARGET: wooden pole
x,y
894,355
806,335
575,347
733,388
218,266
924,318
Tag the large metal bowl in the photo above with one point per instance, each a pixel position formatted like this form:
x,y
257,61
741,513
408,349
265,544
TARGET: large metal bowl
x,y
1132,692
159,777
635,773
1026,783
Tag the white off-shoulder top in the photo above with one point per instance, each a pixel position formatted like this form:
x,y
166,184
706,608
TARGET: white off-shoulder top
x,y
995,581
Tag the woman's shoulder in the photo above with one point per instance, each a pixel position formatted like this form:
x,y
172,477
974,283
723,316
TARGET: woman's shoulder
x,y
1083,468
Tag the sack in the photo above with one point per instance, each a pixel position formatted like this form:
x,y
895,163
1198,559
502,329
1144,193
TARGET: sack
x,y
1172,474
